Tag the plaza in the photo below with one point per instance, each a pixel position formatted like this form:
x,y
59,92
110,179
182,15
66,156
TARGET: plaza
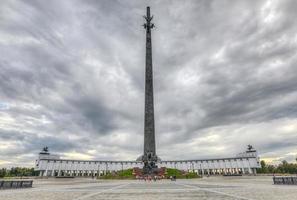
x,y
214,187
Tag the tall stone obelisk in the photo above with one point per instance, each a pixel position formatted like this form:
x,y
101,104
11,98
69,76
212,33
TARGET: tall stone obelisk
x,y
149,157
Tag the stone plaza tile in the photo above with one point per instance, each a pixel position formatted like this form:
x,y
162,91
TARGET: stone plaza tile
x,y
211,188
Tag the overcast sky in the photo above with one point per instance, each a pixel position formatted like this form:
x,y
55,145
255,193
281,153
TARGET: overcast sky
x,y
72,79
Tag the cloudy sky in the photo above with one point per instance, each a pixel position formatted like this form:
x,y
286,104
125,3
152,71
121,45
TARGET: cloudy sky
x,y
72,78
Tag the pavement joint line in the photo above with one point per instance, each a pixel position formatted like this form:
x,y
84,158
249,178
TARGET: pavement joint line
x,y
102,191
214,191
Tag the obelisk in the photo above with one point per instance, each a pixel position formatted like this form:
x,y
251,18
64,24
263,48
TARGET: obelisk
x,y
149,157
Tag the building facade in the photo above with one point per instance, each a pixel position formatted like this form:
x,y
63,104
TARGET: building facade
x,y
52,165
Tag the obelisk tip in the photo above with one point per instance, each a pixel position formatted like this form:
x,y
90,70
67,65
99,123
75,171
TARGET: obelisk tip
x,y
148,11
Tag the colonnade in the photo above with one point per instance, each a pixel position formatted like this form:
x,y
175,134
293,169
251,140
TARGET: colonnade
x,y
60,167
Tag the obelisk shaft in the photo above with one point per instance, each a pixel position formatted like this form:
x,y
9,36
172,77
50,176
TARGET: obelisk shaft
x,y
149,120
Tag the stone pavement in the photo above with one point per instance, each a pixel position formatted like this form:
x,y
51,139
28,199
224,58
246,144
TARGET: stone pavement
x,y
226,188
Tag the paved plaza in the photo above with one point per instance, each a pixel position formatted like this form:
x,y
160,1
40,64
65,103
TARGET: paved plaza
x,y
206,188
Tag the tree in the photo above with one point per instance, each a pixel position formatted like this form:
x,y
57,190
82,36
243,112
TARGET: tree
x,y
263,168
283,167
3,172
284,162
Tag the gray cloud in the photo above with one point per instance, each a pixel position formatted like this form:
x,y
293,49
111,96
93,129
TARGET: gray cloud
x,y
72,78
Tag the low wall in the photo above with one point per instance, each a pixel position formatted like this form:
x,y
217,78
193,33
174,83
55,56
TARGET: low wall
x,y
15,184
285,180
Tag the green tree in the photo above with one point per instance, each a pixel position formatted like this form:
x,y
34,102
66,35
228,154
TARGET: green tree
x,y
19,171
283,167
3,172
263,168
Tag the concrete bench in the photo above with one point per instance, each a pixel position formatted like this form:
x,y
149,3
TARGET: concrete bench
x,y
15,184
285,180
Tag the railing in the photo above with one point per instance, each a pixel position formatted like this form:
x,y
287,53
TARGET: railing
x,y
15,184
285,180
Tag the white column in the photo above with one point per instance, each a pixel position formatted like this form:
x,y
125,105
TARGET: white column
x,y
98,172
45,173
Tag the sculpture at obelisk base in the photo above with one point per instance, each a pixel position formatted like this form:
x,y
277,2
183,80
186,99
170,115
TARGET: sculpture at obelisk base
x,y
149,157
